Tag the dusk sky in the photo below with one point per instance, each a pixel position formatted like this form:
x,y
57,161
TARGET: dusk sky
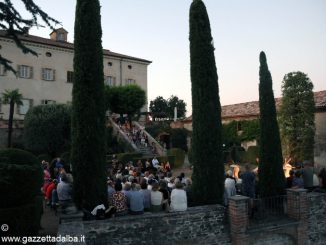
x,y
291,32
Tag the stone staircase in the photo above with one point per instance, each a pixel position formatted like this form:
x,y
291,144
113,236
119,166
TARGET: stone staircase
x,y
125,135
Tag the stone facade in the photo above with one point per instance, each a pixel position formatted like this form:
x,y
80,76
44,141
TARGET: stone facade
x,y
47,78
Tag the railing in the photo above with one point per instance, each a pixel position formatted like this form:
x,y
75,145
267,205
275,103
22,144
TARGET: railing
x,y
121,135
267,210
159,149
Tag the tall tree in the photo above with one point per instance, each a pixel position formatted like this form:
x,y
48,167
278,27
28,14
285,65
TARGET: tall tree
x,y
271,176
127,99
297,117
173,102
15,25
11,97
158,107
208,172
88,108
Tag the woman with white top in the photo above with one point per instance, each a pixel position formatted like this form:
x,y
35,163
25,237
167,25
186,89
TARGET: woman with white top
x,y
178,198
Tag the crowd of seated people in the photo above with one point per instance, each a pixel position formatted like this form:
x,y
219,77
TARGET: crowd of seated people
x,y
146,187
57,184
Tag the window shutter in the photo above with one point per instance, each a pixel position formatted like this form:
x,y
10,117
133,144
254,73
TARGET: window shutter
x,y
30,72
18,71
53,75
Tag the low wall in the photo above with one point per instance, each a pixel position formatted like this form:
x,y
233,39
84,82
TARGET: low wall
x,y
317,218
197,225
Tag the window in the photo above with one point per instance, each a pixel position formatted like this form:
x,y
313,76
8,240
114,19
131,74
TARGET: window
x,y
109,81
47,102
25,71
48,54
109,63
70,76
3,71
61,36
48,74
129,66
23,109
130,81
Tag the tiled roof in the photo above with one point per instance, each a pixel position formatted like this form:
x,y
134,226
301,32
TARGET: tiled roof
x,y
249,109
67,45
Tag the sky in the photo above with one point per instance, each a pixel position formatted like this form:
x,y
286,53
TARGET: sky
x,y
292,33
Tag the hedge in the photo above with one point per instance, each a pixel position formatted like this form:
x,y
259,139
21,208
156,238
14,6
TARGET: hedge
x,y
20,177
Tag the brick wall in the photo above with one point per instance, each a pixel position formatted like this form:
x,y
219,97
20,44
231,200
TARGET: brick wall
x,y
198,225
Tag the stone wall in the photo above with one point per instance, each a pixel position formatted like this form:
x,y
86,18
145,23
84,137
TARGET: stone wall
x,y
198,225
305,223
317,218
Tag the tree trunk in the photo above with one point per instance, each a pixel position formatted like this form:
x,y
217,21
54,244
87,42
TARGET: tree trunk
x,y
10,121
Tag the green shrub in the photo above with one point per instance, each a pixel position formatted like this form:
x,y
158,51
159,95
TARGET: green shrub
x,y
47,129
20,177
179,156
20,182
179,138
23,220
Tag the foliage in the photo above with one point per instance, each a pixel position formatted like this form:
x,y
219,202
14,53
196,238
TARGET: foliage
x,y
179,156
20,177
230,134
11,97
174,101
162,108
47,129
88,108
297,117
128,99
23,220
178,138
158,127
252,154
14,24
271,176
158,107
207,153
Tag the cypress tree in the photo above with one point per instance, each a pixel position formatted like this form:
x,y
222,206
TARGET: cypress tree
x,y
271,176
208,172
88,111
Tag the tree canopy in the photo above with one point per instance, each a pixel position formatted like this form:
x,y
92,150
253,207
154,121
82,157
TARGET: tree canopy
x,y
162,108
37,136
297,117
158,107
15,24
128,99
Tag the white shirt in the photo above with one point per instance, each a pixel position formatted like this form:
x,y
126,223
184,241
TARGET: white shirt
x,y
156,197
155,163
178,200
